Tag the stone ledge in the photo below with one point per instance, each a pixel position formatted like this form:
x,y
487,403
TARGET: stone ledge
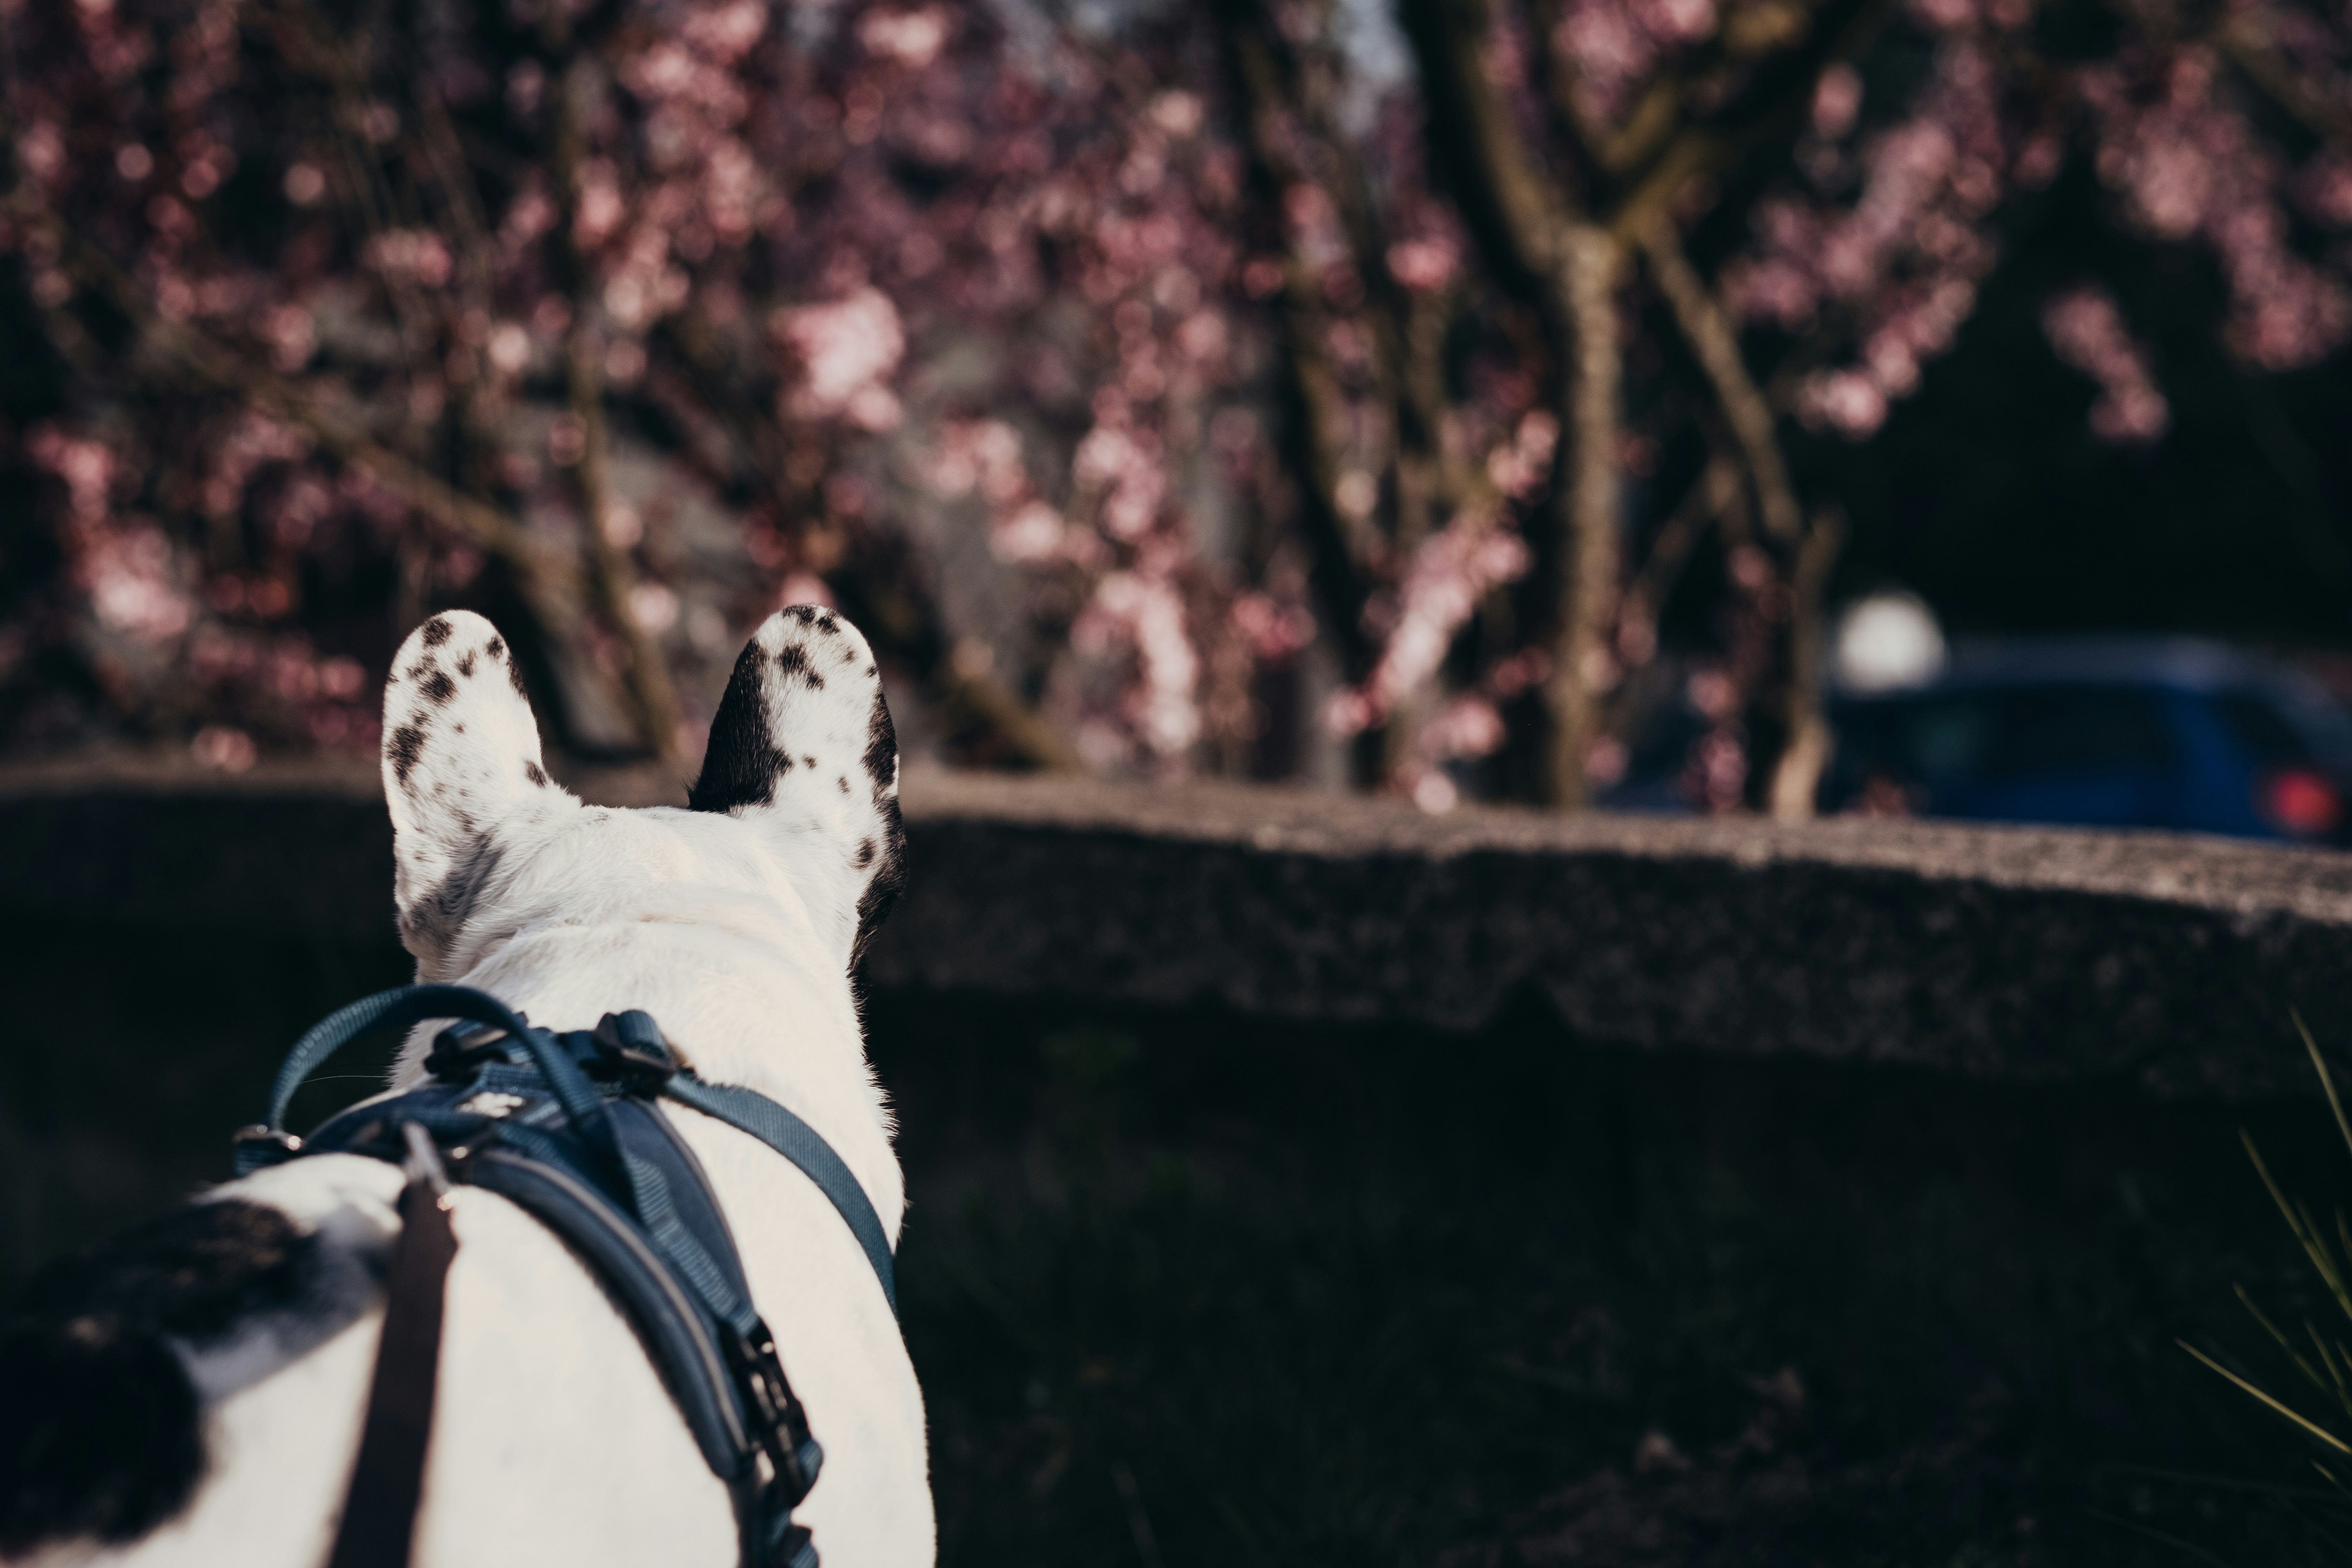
x,y
2035,954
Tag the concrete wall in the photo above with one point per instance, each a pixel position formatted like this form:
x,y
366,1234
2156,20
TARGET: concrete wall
x,y
2005,953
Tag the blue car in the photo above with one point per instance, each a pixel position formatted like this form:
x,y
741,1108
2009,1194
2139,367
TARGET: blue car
x,y
2107,732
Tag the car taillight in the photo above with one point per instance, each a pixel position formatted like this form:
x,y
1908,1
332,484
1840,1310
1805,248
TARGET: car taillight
x,y
2299,802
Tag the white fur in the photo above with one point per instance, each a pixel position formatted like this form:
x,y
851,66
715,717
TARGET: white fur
x,y
554,1441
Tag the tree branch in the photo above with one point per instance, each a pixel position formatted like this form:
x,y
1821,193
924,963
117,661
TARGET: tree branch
x,y
610,578
1717,348
1589,509
1797,772
2258,59
1569,268
900,621
213,364
1770,109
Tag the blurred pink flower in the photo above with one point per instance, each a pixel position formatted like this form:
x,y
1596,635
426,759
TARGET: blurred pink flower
x,y
2088,332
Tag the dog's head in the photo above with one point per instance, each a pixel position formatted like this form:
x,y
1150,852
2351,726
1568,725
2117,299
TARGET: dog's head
x,y
795,815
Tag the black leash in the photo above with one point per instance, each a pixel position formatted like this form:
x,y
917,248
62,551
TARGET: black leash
x,y
379,1519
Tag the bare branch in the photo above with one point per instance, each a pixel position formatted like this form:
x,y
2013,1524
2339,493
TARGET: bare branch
x,y
1569,268
197,354
1797,772
903,624
1710,496
2254,54
1717,347
610,578
1589,508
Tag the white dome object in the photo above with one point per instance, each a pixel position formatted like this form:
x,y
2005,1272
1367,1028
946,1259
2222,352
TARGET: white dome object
x,y
1888,640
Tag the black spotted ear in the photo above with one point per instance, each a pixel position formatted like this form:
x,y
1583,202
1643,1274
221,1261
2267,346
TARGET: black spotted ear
x,y
802,747
463,775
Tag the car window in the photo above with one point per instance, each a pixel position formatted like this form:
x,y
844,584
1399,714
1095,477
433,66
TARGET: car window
x,y
2025,731
2258,726
2080,728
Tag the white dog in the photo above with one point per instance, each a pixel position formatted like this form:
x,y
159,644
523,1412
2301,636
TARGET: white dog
x,y
193,1394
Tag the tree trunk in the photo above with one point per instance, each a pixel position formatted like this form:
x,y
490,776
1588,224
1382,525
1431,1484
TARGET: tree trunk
x,y
645,674
1589,504
1797,773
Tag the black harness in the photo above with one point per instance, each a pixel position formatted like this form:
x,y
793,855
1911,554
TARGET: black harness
x,y
567,1127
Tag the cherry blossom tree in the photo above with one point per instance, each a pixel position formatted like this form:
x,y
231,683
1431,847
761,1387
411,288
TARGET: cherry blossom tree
x,y
1164,392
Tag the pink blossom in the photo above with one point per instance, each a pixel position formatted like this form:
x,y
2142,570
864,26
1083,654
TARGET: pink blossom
x,y
1468,726
844,348
220,746
409,255
2088,332
1426,264
128,574
1447,577
910,37
1837,101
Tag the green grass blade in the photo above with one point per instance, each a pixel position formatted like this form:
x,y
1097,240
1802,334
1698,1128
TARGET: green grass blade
x,y
2284,1343
2344,1236
2305,1231
2327,1078
2278,1197
2322,1433
2343,1396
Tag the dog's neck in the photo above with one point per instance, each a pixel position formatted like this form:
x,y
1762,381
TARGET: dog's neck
x,y
739,989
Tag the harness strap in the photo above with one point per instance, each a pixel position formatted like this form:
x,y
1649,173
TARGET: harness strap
x,y
379,1521
611,1177
798,1142
268,1141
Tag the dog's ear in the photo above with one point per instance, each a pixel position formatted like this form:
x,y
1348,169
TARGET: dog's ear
x,y
462,773
802,749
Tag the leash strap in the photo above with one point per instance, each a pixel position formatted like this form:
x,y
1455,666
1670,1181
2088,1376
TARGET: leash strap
x,y
798,1142
379,1519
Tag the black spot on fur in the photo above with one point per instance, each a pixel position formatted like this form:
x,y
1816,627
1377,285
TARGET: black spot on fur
x,y
406,747
466,667
889,879
795,660
430,921
844,782
742,764
437,631
890,863
809,762
865,853
827,624
514,678
457,729
849,656
803,613
534,773
496,648
881,745
437,688
103,1437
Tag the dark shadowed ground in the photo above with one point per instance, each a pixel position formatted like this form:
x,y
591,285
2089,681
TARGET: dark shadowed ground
x,y
1187,1289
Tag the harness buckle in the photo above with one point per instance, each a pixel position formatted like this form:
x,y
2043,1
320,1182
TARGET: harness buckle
x,y
776,1417
632,1049
261,1144
459,1048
